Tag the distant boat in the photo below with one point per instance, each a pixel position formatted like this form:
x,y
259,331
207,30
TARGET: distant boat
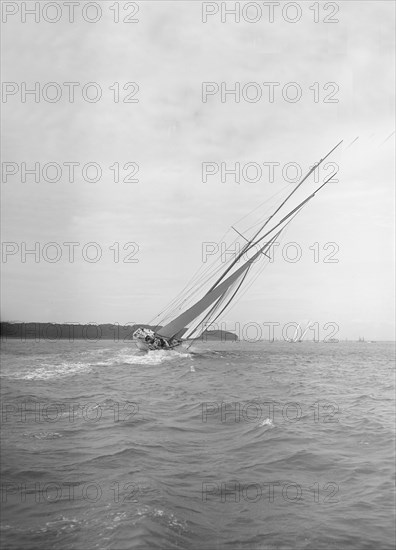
x,y
297,339
294,339
361,339
186,324
305,331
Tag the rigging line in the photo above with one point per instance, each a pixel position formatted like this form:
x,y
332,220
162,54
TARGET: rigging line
x,y
201,286
262,268
265,265
267,247
229,250
311,170
209,272
352,142
211,266
213,310
186,285
247,247
232,297
251,245
205,276
296,209
264,202
226,290
208,299
215,269
248,241
207,316
262,219
176,302
202,319
259,272
239,233
314,167
390,135
290,215
256,223
203,326
259,222
188,298
179,299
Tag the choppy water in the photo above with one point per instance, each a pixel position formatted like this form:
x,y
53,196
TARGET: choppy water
x,y
105,448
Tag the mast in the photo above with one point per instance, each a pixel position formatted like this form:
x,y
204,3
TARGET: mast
x,y
267,247
301,182
172,328
298,207
247,246
220,288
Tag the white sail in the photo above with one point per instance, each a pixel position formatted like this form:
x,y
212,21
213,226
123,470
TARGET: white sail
x,y
305,331
175,326
294,339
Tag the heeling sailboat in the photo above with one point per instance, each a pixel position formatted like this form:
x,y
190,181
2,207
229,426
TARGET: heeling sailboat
x,y
305,332
296,338
228,282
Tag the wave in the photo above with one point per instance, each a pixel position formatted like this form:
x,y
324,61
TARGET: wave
x,y
151,357
48,371
43,435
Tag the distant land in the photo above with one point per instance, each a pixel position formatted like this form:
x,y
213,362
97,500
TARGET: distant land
x,y
91,332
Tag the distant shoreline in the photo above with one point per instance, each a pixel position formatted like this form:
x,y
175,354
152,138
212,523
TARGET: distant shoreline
x,y
51,332
92,332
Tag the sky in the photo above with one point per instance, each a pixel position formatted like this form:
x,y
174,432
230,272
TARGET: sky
x,y
162,221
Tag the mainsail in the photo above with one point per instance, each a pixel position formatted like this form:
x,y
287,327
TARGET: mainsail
x,y
175,326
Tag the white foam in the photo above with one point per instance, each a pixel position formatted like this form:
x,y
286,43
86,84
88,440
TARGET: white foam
x,y
267,422
151,357
48,371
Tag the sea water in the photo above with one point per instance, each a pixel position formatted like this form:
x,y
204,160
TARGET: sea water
x,y
244,446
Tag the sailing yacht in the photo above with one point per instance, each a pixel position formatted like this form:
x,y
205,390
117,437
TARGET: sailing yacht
x,y
305,332
296,338
213,289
